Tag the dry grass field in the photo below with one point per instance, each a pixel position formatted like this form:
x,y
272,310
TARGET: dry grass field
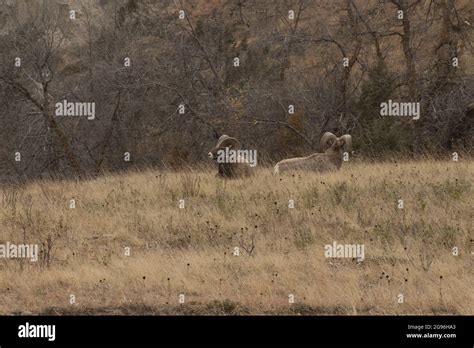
x,y
190,250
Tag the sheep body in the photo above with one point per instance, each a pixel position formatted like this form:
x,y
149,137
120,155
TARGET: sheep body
x,y
318,162
233,170
240,166
330,160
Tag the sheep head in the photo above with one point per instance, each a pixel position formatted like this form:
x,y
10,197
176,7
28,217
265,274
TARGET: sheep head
x,y
223,142
329,139
228,170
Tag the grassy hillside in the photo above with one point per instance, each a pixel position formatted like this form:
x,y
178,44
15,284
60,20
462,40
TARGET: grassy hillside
x,y
190,250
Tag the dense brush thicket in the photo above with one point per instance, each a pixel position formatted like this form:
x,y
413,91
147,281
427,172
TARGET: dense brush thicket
x,y
236,67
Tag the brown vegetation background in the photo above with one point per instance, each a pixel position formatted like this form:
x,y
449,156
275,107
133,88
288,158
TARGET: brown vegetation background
x,y
190,61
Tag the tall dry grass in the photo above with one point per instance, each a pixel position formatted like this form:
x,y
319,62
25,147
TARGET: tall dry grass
x,y
189,251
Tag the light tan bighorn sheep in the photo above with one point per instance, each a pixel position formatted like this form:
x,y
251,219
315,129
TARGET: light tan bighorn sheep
x,y
231,161
329,160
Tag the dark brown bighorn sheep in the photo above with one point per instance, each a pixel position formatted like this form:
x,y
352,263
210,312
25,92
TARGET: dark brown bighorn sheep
x,y
229,158
330,160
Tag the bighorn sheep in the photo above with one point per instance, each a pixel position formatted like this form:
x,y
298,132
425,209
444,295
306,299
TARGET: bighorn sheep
x,y
232,167
329,160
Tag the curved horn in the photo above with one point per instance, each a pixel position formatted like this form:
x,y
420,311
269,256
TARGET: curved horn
x,y
347,142
326,140
228,141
